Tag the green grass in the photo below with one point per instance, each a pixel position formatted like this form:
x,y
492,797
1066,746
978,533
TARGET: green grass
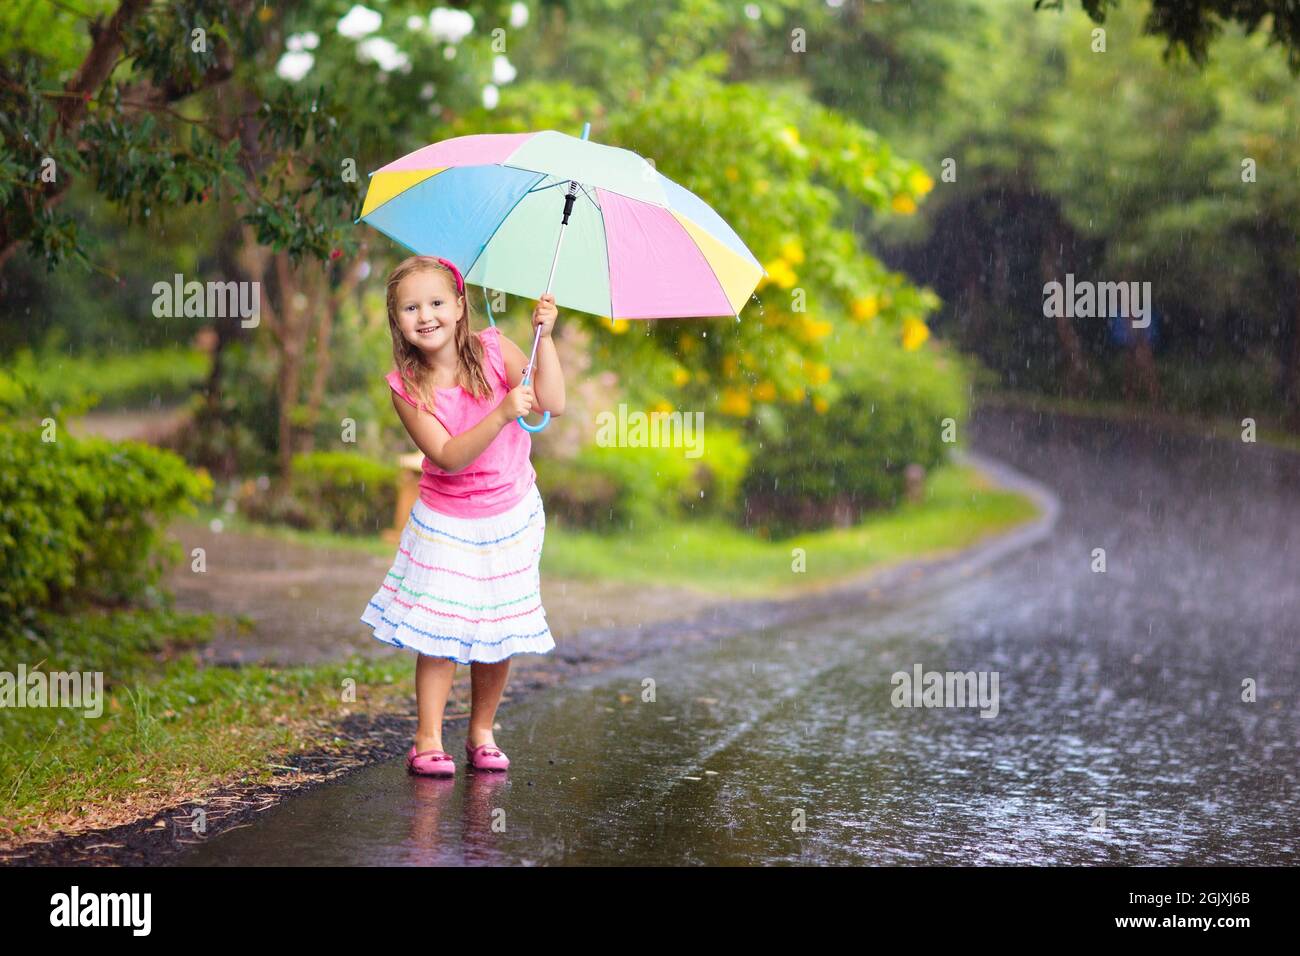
x,y
959,507
171,726
123,380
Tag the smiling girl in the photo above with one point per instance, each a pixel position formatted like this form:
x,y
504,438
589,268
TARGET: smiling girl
x,y
464,587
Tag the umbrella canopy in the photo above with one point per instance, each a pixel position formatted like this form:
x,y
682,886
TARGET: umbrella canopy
x,y
638,245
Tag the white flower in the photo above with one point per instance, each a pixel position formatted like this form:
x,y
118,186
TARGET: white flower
x,y
449,52
491,96
450,25
415,23
518,14
310,40
502,70
359,21
384,52
752,11
301,41
427,91
293,66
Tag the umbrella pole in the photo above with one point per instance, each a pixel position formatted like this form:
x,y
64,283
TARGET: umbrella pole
x,y
569,200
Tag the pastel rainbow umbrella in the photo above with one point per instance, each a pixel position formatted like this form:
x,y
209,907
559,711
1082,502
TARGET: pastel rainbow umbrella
x,y
500,205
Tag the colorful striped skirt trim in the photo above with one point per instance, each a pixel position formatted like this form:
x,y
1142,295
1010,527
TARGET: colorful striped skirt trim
x,y
467,589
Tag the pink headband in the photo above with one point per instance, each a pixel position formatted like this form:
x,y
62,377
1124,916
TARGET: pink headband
x,y
460,281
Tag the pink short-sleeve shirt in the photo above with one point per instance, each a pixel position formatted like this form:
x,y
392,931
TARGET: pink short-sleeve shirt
x,y
496,480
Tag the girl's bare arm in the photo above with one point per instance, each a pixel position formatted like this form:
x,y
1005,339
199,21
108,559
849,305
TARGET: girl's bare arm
x,y
448,453
548,376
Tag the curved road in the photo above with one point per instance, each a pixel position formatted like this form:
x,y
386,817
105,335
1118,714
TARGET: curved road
x,y
1121,735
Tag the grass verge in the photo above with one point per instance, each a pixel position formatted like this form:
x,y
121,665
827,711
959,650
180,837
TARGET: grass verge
x,y
959,507
171,728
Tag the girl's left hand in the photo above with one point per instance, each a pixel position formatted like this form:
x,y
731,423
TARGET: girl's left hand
x,y
544,314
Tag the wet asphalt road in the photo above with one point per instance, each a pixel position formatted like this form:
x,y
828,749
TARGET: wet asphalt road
x,y
1121,736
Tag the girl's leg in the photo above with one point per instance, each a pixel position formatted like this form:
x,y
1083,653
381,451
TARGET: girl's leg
x,y
487,682
432,686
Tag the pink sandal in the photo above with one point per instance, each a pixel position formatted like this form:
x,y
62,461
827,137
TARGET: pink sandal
x,y
486,757
430,763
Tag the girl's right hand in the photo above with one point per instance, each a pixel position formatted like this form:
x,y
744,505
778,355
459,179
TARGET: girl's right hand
x,y
518,401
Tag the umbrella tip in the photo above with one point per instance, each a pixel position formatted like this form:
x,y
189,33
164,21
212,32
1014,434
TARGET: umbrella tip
x,y
586,128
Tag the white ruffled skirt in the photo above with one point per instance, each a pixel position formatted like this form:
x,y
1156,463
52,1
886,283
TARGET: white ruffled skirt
x,y
468,589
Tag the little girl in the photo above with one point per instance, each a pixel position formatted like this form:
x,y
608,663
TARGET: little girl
x,y
464,587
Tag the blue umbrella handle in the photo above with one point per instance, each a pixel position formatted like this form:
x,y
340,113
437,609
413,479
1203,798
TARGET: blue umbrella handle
x,y
546,417
528,372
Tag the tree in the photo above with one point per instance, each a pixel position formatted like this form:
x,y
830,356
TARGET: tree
x,y
243,107
1192,25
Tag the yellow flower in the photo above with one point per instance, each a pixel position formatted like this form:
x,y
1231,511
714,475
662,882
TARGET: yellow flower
x,y
820,404
790,135
919,183
915,332
616,326
686,342
731,173
816,329
904,204
764,391
792,251
761,186
779,271
819,373
681,376
662,407
729,365
734,402
867,307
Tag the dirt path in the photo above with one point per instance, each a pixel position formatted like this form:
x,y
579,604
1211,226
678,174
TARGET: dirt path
x,y
305,602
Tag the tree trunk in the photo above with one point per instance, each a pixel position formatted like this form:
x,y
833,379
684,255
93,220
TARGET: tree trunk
x,y
1076,366
293,325
1144,383
327,303
1291,368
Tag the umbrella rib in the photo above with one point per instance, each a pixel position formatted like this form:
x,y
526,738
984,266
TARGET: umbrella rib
x,y
617,192
609,266
561,182
538,189
500,222
588,195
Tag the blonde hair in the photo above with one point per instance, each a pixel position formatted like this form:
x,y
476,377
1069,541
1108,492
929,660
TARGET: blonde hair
x,y
410,361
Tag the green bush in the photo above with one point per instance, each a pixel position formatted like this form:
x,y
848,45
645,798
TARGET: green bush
x,y
609,488
811,467
330,491
25,398
165,375
575,493
82,520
